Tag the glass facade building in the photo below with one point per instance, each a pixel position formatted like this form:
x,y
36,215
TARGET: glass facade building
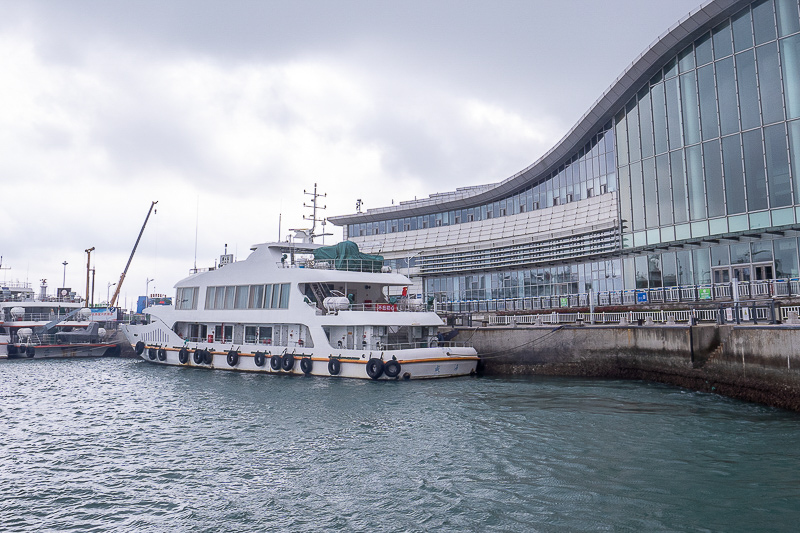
x,y
685,172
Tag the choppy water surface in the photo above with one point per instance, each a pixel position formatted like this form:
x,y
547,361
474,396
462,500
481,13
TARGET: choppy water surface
x,y
123,445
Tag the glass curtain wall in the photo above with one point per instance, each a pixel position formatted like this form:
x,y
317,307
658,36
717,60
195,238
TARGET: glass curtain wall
x,y
710,145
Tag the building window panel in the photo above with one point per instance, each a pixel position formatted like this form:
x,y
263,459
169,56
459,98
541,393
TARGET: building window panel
x,y
723,46
694,175
708,102
637,195
679,187
712,165
664,185
646,125
702,50
659,118
686,59
769,82
701,266
625,194
734,177
785,251
673,113
691,117
790,60
794,156
742,30
748,90
726,93
650,192
654,270
635,152
780,188
755,179
788,22
622,138
763,22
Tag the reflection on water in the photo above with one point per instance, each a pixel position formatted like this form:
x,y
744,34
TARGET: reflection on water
x,y
124,445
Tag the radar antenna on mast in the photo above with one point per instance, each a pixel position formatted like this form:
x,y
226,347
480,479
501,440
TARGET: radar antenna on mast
x,y
314,207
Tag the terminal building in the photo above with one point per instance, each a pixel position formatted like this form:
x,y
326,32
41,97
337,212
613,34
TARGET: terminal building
x,y
683,177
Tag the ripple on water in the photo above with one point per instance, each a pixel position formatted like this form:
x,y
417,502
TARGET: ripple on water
x,y
123,445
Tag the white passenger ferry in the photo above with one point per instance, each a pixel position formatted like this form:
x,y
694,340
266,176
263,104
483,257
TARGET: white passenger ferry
x,y
43,326
299,308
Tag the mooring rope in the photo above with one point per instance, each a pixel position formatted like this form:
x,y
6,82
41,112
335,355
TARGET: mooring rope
x,y
491,355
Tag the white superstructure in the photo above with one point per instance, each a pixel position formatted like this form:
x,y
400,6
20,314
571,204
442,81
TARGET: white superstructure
x,y
280,310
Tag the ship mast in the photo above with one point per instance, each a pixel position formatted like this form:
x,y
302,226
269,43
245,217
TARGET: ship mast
x,y
314,207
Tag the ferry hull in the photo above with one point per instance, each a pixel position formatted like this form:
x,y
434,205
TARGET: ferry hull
x,y
155,345
63,351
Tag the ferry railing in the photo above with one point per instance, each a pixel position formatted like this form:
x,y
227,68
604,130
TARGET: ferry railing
x,y
413,345
350,265
386,307
42,317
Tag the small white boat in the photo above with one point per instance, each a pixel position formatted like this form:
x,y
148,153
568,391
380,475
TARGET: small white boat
x,y
44,326
299,308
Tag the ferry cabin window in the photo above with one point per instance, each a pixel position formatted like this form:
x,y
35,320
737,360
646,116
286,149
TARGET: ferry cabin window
x,y
240,300
248,297
223,334
256,299
258,334
186,298
284,301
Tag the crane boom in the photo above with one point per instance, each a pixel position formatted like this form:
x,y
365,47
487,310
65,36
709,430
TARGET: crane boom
x,y
122,277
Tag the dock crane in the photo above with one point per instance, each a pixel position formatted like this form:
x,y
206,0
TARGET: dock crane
x,y
122,277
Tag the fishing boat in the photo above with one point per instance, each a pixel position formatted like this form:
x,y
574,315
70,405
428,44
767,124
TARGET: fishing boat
x,y
42,326
304,309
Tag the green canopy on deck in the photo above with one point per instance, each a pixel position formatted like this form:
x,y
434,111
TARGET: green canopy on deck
x,y
345,256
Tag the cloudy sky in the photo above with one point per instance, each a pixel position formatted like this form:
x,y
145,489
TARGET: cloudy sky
x,y
226,111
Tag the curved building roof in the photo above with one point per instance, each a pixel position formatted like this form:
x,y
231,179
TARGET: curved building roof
x,y
601,112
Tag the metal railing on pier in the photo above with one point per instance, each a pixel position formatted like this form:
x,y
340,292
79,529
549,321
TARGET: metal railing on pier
x,y
748,312
706,293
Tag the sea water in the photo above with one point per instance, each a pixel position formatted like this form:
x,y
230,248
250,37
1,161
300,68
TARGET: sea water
x,y
125,445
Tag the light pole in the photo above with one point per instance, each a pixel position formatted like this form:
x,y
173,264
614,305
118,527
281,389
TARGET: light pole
x,y
64,283
88,268
147,292
108,291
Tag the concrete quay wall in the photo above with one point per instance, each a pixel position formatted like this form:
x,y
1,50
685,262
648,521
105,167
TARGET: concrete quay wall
x,y
753,363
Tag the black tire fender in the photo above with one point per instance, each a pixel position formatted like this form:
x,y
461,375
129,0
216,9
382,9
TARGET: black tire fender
x,y
162,354
392,369
287,362
208,357
151,353
334,366
375,368
275,362
30,350
233,358
259,359
306,365
183,356
197,357
139,349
